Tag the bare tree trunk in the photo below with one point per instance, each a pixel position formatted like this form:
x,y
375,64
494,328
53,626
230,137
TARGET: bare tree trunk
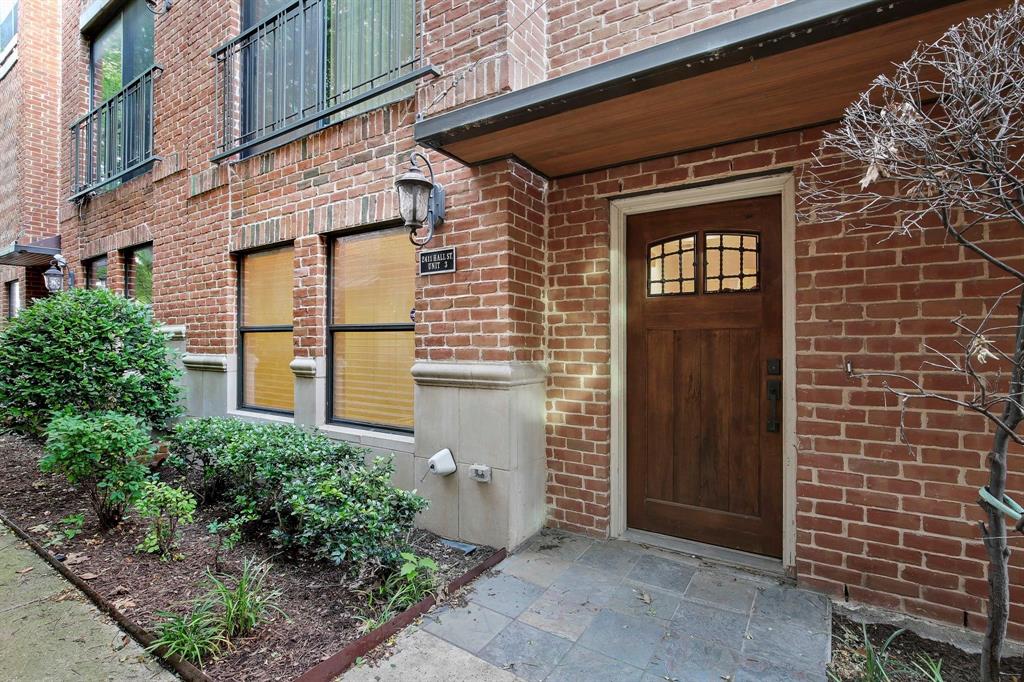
x,y
994,532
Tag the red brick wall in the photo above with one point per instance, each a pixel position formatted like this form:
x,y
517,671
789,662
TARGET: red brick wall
x,y
29,134
892,525
582,33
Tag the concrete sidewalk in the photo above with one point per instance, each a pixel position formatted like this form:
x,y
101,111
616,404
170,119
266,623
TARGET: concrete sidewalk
x,y
567,608
50,632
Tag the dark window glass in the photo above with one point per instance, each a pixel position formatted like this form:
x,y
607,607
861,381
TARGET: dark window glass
x,y
13,291
96,273
138,274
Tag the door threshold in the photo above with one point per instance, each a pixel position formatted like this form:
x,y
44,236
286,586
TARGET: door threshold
x,y
719,555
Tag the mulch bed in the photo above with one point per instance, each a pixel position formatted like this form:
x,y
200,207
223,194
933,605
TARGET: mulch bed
x,y
957,666
320,600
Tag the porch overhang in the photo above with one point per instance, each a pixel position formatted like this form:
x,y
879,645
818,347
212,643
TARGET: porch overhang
x,y
786,68
37,253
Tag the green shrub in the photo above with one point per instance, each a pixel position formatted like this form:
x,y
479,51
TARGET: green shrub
x,y
317,495
166,507
414,580
86,349
103,454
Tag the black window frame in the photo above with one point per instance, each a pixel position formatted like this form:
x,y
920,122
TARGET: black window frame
x,y
241,329
332,328
127,260
88,266
9,290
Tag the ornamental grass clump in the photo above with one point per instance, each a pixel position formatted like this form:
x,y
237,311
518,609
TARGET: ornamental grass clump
x,y
87,350
104,455
309,494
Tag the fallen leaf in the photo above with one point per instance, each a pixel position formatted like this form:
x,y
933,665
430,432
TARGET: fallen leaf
x,y
88,576
75,558
124,603
39,528
22,571
644,597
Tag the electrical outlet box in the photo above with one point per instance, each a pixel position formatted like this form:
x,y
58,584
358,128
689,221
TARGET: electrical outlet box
x,y
480,473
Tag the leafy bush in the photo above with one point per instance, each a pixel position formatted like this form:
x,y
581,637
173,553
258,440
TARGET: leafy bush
x,y
318,495
166,506
413,581
245,601
102,454
87,349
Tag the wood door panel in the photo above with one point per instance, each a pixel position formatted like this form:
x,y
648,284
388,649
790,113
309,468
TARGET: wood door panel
x,y
701,462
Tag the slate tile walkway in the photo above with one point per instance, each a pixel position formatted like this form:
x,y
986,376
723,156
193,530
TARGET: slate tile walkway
x,y
570,609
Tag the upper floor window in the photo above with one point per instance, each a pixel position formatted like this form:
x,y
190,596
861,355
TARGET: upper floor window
x,y
138,274
265,330
96,273
300,64
114,140
371,332
8,23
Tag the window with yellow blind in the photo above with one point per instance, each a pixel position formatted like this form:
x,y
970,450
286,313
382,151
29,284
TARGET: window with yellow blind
x,y
265,330
373,279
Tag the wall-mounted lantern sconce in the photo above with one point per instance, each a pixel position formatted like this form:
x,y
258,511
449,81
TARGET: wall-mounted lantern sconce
x,y
54,276
420,201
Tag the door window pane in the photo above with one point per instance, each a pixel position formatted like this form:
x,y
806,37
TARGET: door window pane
x,y
139,274
672,267
267,376
372,378
731,262
96,273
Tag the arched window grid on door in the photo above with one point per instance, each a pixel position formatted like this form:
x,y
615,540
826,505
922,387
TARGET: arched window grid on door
x,y
728,262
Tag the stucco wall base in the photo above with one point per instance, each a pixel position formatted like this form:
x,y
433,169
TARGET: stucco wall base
x,y
490,414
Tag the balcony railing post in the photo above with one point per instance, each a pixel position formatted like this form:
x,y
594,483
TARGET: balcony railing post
x,y
356,50
118,136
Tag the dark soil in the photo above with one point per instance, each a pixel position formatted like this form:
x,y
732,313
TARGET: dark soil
x,y
848,654
321,601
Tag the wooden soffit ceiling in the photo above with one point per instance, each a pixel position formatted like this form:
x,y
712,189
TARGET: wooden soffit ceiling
x,y
785,68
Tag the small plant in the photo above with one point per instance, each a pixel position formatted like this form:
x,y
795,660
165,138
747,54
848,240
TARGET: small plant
x,y
245,601
166,507
875,659
414,580
102,454
929,667
71,527
194,636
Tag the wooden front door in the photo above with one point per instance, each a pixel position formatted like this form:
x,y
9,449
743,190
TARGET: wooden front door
x,y
704,386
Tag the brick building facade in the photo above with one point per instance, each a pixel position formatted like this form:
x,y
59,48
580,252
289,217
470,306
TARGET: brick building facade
x,y
29,120
557,130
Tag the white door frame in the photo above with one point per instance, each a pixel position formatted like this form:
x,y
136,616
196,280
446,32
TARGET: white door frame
x,y
620,209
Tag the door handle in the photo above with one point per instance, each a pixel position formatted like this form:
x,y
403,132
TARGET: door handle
x,y
774,396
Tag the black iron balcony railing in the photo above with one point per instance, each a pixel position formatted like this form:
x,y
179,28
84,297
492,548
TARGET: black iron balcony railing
x,y
310,61
115,138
